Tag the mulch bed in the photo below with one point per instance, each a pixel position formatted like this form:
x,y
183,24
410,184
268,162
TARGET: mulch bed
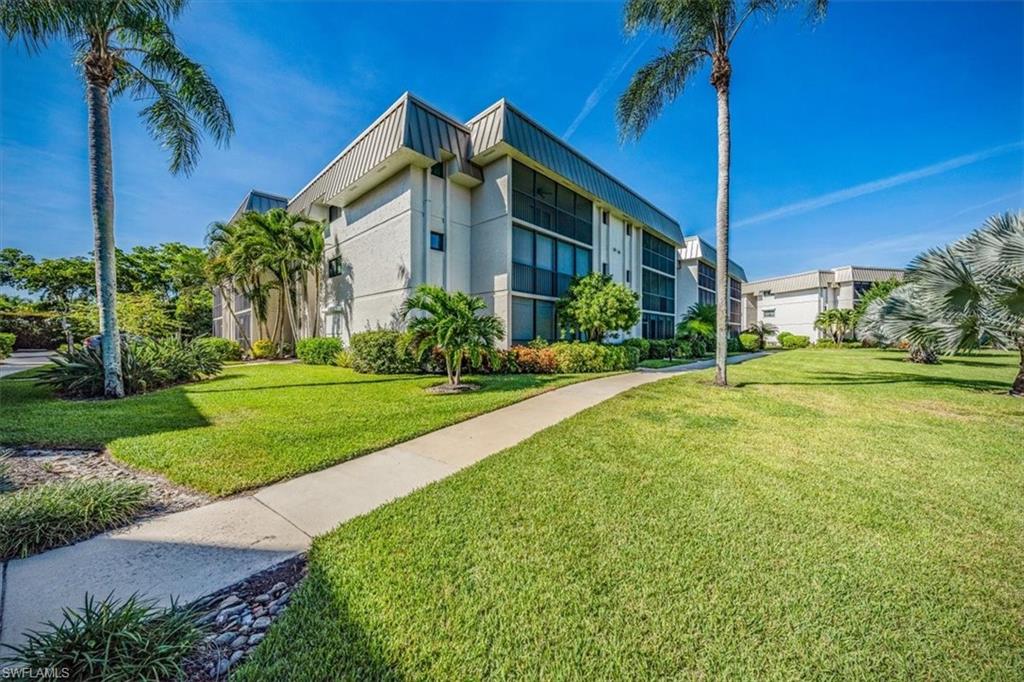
x,y
34,466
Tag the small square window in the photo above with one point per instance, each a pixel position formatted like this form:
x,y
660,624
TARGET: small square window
x,y
437,170
334,267
333,213
437,241
770,312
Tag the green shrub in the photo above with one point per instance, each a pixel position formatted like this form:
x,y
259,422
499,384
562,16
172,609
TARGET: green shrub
x,y
530,360
54,514
225,349
791,341
749,342
262,349
6,344
343,359
145,366
732,345
579,357
783,335
661,349
643,346
380,352
113,641
33,329
320,350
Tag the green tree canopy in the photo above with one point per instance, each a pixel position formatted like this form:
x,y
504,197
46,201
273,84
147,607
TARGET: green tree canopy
x,y
596,306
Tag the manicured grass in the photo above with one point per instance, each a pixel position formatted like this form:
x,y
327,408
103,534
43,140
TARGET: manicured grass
x,y
838,515
661,364
54,514
255,424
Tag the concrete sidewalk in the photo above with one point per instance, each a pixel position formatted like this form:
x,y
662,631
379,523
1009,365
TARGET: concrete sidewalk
x,y
22,360
196,552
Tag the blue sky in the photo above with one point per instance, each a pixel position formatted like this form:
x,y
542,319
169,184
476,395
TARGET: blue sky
x,y
886,129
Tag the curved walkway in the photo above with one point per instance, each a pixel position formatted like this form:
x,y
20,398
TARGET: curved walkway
x,y
193,553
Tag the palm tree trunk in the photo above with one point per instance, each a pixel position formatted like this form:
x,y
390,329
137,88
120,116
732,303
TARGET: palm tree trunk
x,y
1018,383
722,233
101,176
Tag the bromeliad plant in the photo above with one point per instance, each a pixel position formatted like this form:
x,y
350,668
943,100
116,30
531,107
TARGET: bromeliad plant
x,y
452,324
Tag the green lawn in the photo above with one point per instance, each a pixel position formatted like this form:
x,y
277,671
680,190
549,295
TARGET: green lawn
x,y
255,424
662,364
838,515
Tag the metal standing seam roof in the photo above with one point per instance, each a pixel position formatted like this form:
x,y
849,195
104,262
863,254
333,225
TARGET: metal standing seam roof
x,y
246,205
816,279
502,122
408,123
695,248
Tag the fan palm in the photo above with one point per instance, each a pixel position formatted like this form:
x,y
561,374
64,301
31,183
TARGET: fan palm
x,y
453,325
701,32
901,318
124,47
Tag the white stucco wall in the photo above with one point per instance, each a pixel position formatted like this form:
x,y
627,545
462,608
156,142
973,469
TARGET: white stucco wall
x,y
491,240
795,311
374,236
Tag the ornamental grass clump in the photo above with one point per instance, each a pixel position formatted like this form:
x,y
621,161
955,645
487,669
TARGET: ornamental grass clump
x,y
114,641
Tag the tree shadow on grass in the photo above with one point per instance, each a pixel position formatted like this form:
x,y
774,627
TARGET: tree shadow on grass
x,y
879,378
306,385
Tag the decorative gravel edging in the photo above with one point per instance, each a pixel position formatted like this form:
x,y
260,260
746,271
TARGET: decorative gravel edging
x,y
34,466
238,617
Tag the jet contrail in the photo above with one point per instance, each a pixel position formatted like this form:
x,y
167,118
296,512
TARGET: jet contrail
x,y
876,185
598,93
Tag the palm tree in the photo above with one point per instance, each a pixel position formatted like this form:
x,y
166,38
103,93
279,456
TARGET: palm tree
x,y
900,318
762,330
124,47
701,31
836,322
452,325
698,327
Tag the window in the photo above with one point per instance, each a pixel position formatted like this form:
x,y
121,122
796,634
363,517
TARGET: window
x,y
539,200
544,265
437,241
659,292
531,319
241,302
334,266
218,302
705,297
333,213
659,254
242,327
604,268
218,327
629,230
770,312
437,170
735,302
604,217
628,273
654,326
705,276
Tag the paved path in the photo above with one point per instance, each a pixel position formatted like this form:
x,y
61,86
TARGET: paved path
x,y
21,360
193,553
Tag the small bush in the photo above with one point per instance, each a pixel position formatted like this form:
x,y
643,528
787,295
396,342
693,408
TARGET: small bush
x,y
33,329
530,360
262,349
642,345
732,345
226,349
54,514
113,641
782,335
791,341
6,344
594,357
380,352
749,342
343,359
145,366
661,349
321,350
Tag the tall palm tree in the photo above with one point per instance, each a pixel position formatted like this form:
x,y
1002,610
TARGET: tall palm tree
x,y
702,32
124,47
453,324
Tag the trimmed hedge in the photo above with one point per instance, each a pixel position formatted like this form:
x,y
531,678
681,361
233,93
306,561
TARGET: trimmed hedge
x,y
642,345
320,350
574,358
6,344
380,352
750,342
33,330
225,349
791,341
527,360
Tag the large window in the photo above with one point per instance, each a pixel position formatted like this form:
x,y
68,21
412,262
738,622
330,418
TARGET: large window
x,y
706,276
705,297
659,254
532,319
540,200
735,302
659,292
544,265
656,326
